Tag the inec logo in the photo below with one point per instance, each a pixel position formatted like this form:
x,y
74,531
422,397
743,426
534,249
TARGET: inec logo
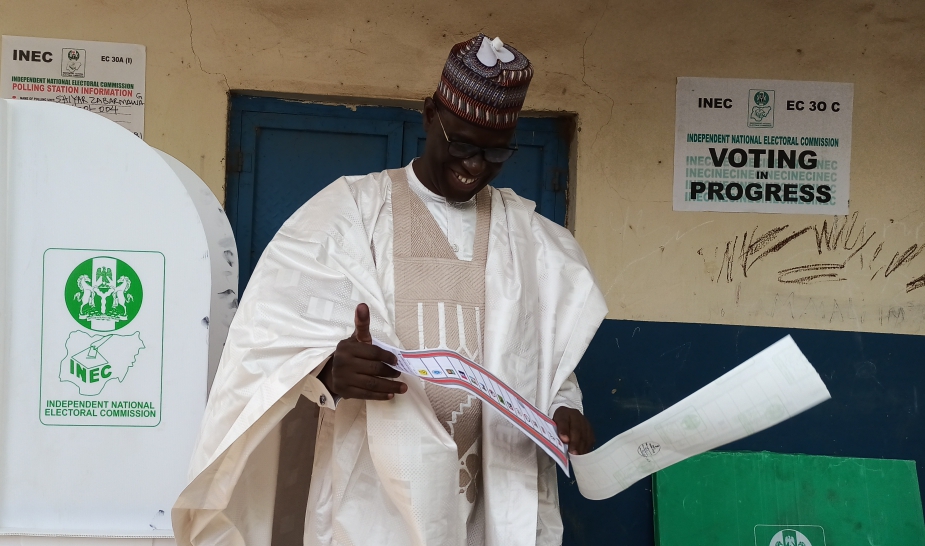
x,y
73,62
102,337
102,294
761,108
789,535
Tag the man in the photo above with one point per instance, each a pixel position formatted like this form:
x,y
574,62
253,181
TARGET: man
x,y
422,257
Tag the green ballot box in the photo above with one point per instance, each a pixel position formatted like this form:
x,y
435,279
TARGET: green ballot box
x,y
770,499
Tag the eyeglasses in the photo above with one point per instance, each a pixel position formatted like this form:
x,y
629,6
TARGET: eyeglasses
x,y
464,150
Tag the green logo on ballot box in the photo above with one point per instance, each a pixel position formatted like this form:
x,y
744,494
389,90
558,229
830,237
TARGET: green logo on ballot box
x,y
103,294
789,535
102,337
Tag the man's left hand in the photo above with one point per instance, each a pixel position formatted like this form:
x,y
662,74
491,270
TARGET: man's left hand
x,y
574,429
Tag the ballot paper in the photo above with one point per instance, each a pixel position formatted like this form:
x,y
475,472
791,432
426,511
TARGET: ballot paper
x,y
450,369
768,388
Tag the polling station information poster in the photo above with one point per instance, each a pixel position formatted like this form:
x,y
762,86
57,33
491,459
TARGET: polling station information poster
x,y
762,146
101,77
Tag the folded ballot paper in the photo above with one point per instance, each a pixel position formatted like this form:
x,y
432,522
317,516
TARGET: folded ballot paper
x,y
450,369
768,388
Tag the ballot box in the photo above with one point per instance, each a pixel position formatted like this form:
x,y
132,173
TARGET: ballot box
x,y
771,499
105,296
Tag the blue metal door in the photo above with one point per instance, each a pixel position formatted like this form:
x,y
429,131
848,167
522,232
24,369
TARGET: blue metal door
x,y
281,153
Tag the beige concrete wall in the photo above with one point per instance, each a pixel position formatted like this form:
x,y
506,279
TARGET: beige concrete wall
x,y
614,64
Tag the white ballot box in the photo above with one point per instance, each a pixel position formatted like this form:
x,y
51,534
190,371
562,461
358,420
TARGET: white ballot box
x,y
105,281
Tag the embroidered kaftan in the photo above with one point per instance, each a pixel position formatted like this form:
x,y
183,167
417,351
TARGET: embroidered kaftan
x,y
440,303
387,473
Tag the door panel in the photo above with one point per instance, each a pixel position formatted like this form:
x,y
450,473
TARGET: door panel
x,y
294,157
288,172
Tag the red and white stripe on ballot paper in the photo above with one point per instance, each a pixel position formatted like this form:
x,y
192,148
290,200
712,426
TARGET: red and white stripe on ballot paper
x,y
450,369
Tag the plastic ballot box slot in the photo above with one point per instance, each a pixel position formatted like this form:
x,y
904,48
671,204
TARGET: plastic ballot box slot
x,y
770,499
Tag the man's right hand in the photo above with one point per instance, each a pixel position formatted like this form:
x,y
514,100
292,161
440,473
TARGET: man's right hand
x,y
357,369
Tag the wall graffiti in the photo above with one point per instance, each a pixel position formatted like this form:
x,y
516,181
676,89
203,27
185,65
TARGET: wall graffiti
x,y
839,249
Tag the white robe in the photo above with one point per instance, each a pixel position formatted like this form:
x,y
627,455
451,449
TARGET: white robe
x,y
381,475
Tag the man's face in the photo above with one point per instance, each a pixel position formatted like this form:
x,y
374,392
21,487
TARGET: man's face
x,y
453,178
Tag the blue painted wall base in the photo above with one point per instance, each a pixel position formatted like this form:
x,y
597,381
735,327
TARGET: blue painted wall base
x,y
633,370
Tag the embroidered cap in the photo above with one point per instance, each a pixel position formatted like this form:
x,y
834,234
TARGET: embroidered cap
x,y
485,82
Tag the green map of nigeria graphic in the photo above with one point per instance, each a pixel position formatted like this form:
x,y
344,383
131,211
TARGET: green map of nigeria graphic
x,y
94,360
760,112
760,109
102,294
